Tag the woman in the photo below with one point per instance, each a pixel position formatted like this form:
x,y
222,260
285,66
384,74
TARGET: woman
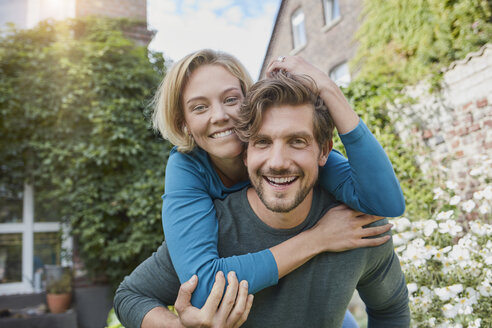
x,y
195,110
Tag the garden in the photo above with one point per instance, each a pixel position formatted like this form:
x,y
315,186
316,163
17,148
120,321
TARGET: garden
x,y
75,105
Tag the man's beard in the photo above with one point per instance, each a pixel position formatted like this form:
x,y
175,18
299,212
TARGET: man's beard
x,y
281,207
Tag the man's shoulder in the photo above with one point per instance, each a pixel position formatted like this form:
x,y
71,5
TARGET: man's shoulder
x,y
234,200
323,199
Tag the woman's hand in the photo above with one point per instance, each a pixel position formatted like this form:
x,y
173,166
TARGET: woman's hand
x,y
343,115
298,65
341,229
232,311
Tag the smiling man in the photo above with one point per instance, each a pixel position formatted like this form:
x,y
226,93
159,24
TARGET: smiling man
x,y
288,131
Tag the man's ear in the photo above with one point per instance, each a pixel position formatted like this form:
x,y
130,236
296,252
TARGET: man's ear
x,y
325,151
245,155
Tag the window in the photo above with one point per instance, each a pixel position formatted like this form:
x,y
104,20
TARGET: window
x,y
332,10
28,241
340,74
298,29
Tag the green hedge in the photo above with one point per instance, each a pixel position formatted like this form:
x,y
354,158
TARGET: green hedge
x,y
74,105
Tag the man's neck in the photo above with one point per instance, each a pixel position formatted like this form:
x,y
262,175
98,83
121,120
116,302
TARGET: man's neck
x,y
278,220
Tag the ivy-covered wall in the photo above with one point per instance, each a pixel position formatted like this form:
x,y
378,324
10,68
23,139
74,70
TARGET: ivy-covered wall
x,y
74,123
400,44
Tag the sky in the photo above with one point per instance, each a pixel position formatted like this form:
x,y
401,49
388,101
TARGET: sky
x,y
239,27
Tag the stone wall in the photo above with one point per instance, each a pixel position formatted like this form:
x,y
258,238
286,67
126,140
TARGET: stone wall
x,y
455,123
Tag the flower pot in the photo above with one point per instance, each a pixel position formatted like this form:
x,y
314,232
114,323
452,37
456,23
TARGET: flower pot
x,y
58,303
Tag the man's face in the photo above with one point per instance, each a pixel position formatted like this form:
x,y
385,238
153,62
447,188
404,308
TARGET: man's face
x,y
283,157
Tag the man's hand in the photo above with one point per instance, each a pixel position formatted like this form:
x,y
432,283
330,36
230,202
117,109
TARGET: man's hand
x,y
232,311
341,229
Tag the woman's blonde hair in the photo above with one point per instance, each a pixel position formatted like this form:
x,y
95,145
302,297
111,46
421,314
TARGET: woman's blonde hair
x,y
168,116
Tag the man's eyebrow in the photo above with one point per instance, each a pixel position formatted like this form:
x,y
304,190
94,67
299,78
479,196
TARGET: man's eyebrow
x,y
295,134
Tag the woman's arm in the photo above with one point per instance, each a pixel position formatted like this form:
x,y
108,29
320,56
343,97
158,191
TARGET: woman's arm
x,y
366,182
191,231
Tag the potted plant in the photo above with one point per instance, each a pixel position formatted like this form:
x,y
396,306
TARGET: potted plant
x,y
58,288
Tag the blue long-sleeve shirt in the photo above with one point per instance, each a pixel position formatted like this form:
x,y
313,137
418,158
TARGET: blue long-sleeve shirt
x,y
366,182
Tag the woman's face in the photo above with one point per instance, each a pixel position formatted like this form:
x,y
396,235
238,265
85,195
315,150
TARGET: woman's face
x,y
211,101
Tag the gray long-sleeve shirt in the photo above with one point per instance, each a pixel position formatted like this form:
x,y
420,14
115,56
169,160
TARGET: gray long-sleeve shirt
x,y
315,295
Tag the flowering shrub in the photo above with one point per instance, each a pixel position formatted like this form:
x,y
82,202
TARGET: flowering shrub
x,y
447,259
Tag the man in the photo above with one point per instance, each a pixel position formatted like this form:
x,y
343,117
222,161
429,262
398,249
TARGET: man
x,y
287,142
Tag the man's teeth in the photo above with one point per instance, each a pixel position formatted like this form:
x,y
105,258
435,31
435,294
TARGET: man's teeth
x,y
281,180
223,134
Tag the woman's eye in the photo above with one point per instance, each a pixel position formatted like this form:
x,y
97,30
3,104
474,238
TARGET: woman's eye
x,y
231,100
198,108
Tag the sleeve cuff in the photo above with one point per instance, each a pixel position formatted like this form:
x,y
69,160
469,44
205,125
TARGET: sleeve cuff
x,y
358,132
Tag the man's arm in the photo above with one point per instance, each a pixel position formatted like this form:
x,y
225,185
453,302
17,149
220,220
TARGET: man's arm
x,y
232,311
153,284
383,289
142,297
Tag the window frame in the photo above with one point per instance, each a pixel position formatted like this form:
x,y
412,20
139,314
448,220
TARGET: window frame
x,y
299,40
27,229
337,67
329,5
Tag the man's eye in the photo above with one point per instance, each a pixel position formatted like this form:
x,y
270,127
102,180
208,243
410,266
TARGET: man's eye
x,y
298,142
261,143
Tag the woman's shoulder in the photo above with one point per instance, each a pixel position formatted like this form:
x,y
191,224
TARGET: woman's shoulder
x,y
197,160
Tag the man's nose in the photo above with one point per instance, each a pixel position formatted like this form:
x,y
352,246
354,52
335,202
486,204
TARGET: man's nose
x,y
278,158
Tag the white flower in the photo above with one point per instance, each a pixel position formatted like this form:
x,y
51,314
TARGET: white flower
x,y
448,292
438,192
455,200
487,193
429,227
444,215
468,206
449,311
478,195
439,255
431,322
460,255
412,287
401,224
485,289
476,171
451,185
484,208
450,227
475,324
477,228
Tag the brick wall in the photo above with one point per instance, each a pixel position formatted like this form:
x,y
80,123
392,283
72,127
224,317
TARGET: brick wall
x,y
113,8
133,9
327,46
455,124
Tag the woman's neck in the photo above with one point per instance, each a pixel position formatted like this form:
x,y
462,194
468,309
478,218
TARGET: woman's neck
x,y
230,171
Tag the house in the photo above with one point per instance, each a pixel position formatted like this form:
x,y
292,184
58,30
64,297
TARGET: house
x,y
319,30
29,225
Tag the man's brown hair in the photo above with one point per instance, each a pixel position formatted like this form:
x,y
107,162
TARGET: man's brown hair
x,y
283,89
